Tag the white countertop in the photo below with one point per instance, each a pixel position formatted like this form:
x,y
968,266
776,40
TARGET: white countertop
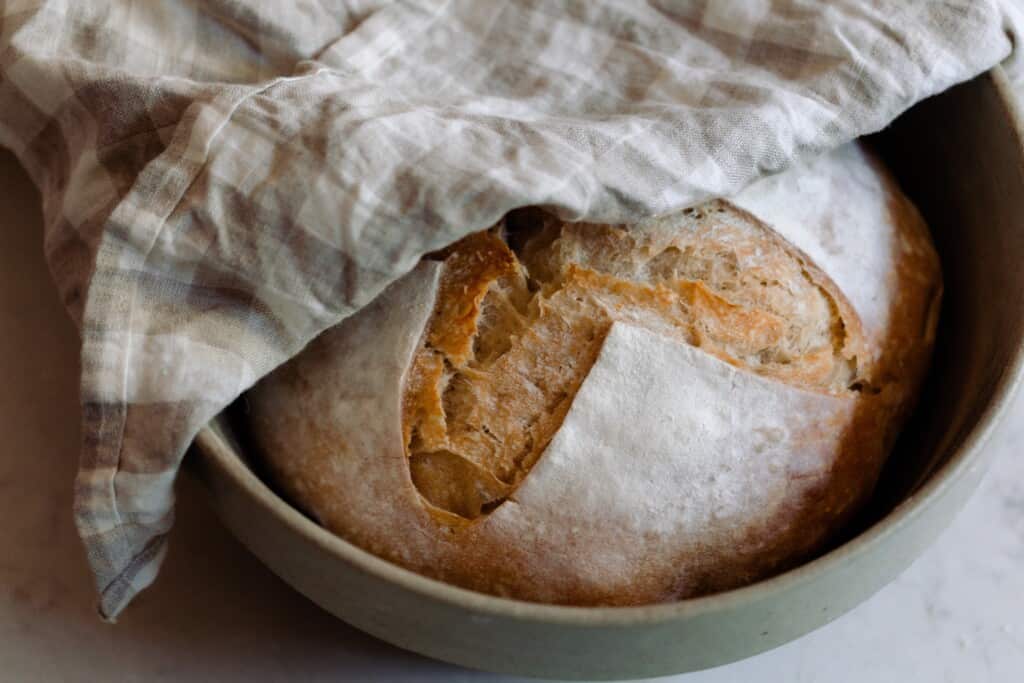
x,y
216,614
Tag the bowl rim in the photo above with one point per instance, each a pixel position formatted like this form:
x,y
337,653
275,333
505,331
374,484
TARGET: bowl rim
x,y
216,451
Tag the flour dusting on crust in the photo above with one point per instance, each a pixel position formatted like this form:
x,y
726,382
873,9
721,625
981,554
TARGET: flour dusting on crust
x,y
588,414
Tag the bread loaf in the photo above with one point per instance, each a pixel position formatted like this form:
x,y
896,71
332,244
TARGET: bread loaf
x,y
608,415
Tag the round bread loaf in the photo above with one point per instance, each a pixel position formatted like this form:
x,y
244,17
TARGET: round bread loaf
x,y
594,414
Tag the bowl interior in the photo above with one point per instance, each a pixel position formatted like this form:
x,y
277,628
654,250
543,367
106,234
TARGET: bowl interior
x,y
968,187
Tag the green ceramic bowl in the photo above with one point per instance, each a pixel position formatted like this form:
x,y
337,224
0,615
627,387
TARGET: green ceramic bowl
x,y
959,156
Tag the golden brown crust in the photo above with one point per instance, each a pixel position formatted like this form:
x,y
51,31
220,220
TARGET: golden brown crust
x,y
463,457
501,361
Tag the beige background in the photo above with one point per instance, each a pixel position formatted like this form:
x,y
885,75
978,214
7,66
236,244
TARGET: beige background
x,y
216,614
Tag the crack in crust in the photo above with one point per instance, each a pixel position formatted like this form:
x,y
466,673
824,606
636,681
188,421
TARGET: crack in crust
x,y
523,309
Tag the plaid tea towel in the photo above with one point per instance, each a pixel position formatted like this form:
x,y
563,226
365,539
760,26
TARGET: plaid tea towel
x,y
224,179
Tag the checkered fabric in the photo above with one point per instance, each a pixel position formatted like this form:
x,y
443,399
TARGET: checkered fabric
x,y
224,179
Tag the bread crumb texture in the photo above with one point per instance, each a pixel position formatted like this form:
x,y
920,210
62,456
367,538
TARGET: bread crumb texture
x,y
523,309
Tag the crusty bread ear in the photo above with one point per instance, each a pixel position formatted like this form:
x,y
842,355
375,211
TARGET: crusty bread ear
x,y
511,340
592,414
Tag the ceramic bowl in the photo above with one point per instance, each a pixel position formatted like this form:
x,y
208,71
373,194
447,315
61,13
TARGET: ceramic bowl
x,y
959,156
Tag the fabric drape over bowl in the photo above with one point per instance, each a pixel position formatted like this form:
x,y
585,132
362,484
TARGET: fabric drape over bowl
x,y
969,183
